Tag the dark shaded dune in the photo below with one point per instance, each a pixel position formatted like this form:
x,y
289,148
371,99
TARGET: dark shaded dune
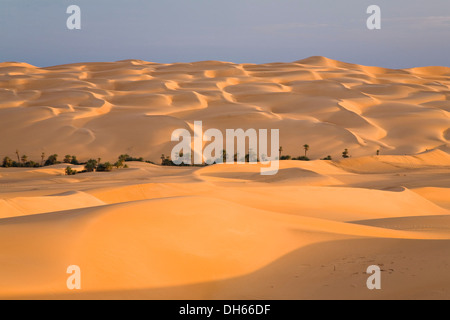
x,y
143,100
325,88
446,134
426,223
149,86
51,84
304,106
254,88
444,105
396,90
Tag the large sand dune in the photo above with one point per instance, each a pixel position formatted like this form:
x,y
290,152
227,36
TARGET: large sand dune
x,y
98,109
225,231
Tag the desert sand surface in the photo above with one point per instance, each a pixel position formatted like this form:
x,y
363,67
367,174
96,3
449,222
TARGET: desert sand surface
x,y
225,231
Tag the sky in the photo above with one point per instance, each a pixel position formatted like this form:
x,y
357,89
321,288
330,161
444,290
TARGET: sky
x,y
413,32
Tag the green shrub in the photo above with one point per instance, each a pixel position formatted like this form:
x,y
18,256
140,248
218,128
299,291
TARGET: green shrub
x,y
91,165
70,172
53,159
7,162
74,161
118,164
127,158
104,167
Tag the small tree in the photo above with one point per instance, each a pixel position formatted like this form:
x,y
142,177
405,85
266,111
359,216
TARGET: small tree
x,y
24,159
378,152
33,164
102,167
91,165
68,159
53,159
7,162
167,162
42,159
74,160
327,158
224,156
108,166
345,154
118,164
123,157
70,172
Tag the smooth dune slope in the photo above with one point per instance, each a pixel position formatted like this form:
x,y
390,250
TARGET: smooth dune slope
x,y
224,232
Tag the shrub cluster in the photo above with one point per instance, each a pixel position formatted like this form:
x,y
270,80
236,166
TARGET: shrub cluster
x,y
96,164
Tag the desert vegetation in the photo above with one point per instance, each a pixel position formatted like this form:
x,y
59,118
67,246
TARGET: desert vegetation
x,y
96,165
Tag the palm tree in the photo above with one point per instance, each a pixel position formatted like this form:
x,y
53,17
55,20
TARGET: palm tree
x,y
18,156
306,147
42,159
280,150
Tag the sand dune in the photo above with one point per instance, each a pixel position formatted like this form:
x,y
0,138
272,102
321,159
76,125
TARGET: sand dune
x,y
225,231
155,232
328,104
36,205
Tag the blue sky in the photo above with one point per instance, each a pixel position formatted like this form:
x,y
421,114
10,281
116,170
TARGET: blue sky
x,y
414,33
